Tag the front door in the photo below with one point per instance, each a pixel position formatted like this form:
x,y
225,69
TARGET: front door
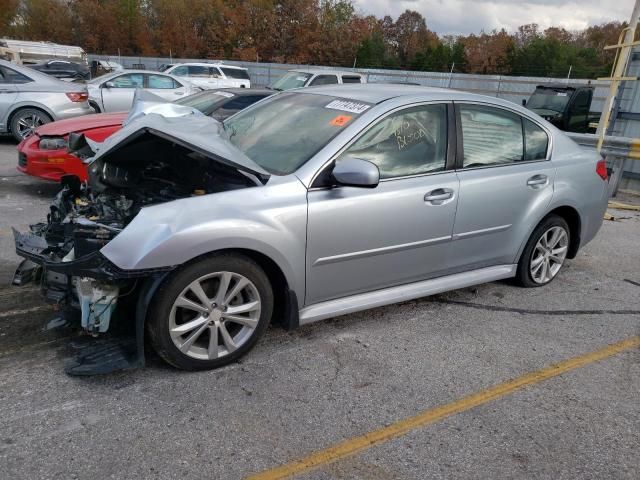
x,y
506,181
365,239
118,97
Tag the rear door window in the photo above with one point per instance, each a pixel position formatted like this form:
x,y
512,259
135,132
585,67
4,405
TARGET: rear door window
x,y
351,79
198,71
180,71
237,73
490,136
161,82
536,141
324,80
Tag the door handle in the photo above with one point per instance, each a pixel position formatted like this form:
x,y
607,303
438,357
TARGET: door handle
x,y
538,181
438,196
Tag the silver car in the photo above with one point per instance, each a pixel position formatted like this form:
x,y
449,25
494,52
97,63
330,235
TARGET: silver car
x,y
114,92
29,98
309,204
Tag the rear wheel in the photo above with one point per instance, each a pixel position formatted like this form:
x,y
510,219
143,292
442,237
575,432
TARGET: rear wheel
x,y
210,313
25,121
545,252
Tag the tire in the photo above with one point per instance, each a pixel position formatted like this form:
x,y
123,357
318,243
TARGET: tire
x,y
183,333
25,120
545,253
95,107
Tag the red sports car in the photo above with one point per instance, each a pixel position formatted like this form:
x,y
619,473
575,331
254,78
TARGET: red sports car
x,y
44,154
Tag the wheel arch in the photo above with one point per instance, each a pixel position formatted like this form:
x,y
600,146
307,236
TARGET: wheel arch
x,y
572,216
286,309
21,106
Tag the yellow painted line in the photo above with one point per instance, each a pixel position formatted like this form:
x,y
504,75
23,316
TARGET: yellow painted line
x,y
357,444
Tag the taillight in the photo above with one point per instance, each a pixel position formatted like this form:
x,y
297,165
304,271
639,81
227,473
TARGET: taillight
x,y
78,96
601,170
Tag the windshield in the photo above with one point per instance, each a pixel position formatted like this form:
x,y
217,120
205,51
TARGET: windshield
x,y
282,133
291,80
549,100
207,101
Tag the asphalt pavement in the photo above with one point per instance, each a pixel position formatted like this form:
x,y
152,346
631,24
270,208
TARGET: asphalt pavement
x,y
304,391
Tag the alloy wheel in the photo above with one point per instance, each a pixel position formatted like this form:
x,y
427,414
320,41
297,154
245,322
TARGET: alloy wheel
x,y
549,255
214,315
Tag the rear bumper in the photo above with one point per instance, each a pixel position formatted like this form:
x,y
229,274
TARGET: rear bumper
x,y
76,110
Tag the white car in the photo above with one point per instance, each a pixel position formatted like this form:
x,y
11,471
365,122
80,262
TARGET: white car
x,y
212,75
114,91
312,77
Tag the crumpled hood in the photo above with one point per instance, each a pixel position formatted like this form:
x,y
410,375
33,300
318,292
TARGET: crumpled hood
x,y
79,124
199,133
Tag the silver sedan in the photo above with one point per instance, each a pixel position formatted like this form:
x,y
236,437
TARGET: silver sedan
x,y
29,98
311,204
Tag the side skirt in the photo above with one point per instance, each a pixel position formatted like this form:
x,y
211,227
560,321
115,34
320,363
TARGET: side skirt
x,y
402,293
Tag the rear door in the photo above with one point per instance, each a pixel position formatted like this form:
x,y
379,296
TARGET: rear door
x,y
164,86
363,239
506,181
119,96
8,93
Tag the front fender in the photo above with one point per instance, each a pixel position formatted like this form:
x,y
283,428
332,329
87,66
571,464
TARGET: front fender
x,y
270,220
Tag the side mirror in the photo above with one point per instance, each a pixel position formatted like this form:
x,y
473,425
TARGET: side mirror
x,y
108,85
355,172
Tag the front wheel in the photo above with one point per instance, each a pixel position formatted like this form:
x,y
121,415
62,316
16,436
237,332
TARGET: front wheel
x,y
545,252
210,313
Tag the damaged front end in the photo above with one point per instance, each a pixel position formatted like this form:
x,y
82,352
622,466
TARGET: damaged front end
x,y
152,160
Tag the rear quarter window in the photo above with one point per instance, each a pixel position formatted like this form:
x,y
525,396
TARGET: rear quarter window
x,y
236,73
351,79
536,141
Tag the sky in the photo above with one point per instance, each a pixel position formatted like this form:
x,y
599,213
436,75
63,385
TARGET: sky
x,y
471,16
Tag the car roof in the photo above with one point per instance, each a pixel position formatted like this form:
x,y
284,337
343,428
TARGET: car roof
x,y
380,92
314,71
205,64
563,86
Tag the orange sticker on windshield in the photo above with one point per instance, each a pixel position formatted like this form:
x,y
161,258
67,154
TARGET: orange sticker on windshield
x,y
340,120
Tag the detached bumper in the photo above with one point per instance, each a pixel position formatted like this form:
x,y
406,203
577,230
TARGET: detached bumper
x,y
94,265
122,347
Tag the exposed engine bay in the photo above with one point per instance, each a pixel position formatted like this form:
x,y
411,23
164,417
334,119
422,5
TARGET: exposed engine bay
x,y
63,253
